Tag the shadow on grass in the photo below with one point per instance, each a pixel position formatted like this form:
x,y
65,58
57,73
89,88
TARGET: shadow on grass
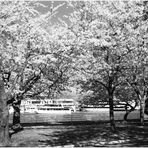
x,y
138,136
97,135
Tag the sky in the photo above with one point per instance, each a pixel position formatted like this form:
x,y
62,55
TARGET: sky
x,y
63,10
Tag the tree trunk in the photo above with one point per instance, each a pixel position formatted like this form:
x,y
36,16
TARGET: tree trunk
x,y
4,117
128,112
142,109
16,115
146,107
111,111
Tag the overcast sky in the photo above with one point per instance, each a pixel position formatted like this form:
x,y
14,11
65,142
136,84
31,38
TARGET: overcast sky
x,y
63,10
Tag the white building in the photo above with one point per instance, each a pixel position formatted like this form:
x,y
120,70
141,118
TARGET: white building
x,y
31,105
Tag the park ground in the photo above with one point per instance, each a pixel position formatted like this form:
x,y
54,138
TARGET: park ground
x,y
82,135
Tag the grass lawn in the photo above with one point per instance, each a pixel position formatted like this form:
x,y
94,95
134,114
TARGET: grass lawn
x,y
76,116
90,135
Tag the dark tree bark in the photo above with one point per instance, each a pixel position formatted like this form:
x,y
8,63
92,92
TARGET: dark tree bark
x,y
4,117
111,110
128,111
16,115
146,107
110,90
24,88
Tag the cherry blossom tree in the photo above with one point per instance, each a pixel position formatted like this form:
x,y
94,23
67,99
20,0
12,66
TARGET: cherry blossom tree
x,y
23,43
109,35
